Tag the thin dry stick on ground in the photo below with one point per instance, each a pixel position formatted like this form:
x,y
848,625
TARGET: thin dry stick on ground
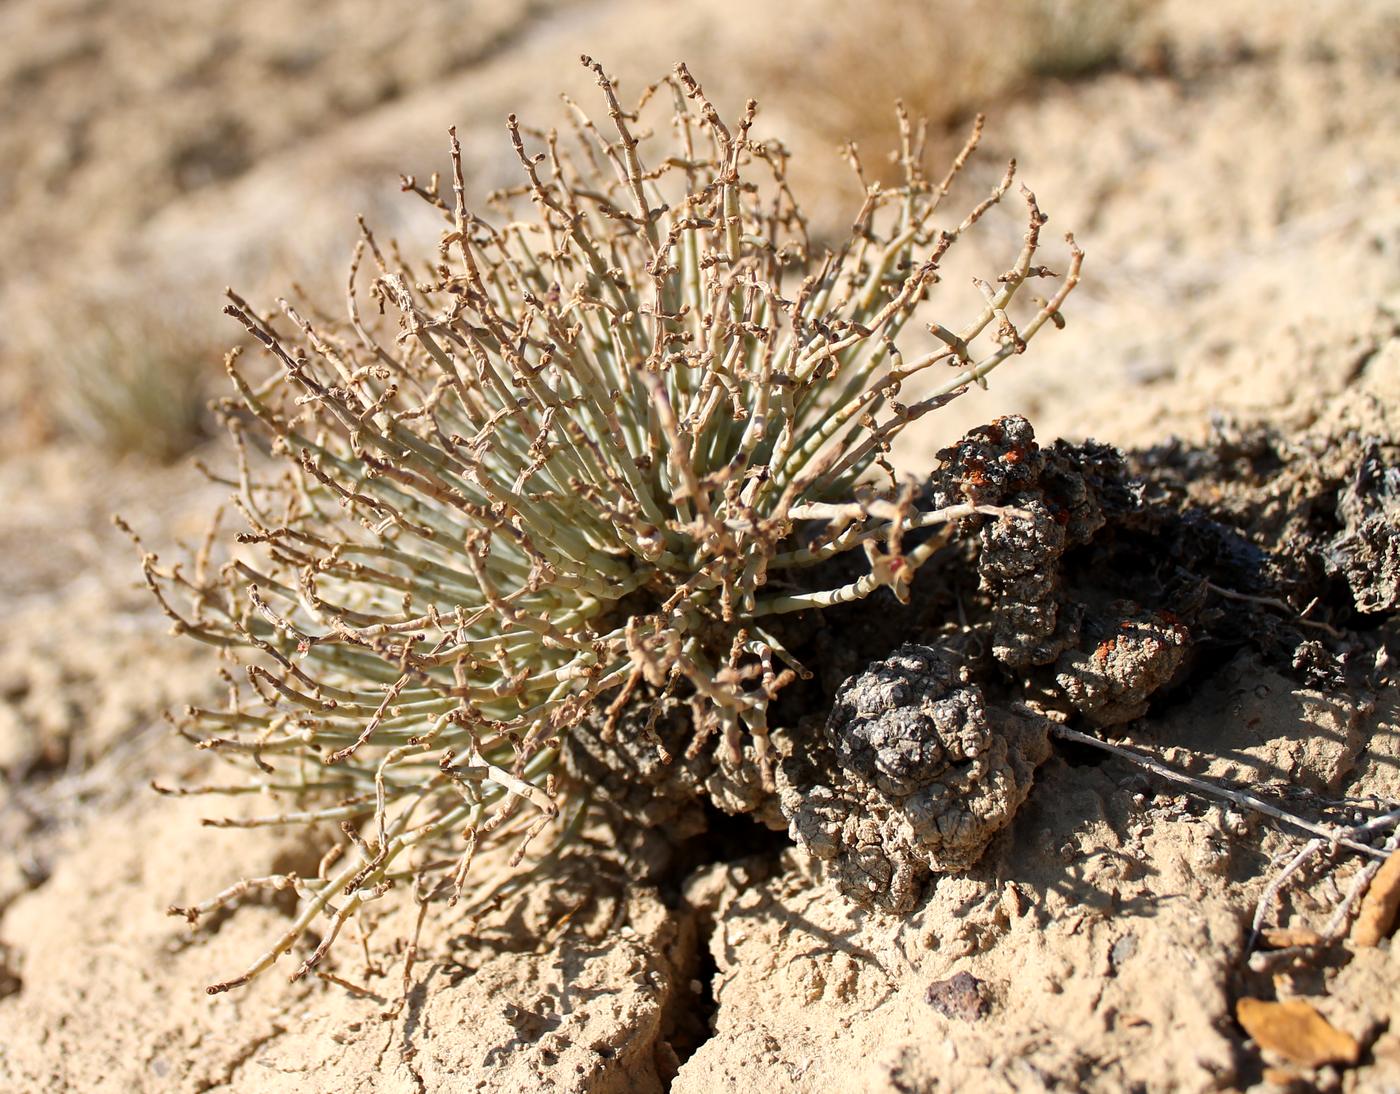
x,y
1341,837
1325,836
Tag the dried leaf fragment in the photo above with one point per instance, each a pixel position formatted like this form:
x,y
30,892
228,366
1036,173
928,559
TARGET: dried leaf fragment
x,y
1296,1031
1380,906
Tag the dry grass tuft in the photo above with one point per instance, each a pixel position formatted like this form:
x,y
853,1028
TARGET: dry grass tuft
x,y
118,374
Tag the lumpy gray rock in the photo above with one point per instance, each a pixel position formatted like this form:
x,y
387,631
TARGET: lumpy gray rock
x,y
914,774
1111,683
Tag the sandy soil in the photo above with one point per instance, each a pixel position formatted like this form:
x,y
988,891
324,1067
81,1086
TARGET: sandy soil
x,y
1237,187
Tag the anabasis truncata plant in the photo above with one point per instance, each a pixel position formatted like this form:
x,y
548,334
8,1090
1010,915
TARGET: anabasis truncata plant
x,y
571,467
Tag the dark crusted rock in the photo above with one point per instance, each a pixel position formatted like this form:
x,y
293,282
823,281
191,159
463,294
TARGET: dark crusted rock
x,y
738,788
1067,490
1366,553
915,775
1019,573
1090,483
891,725
1111,683
1320,513
1318,667
630,772
989,464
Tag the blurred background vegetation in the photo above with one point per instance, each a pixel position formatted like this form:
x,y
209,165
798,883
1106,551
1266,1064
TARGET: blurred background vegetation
x,y
154,152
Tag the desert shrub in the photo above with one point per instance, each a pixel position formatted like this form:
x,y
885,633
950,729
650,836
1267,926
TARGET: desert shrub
x,y
573,465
